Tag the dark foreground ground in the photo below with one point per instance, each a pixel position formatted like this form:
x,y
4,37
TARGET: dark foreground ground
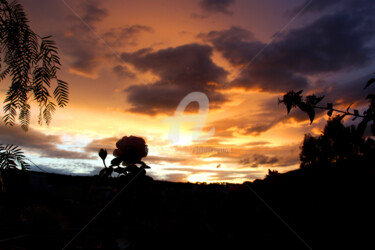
x,y
319,208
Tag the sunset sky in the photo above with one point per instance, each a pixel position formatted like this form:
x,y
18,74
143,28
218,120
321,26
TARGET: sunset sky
x,y
130,63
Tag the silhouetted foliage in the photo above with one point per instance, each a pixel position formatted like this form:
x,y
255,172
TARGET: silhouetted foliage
x,y
272,175
309,104
32,62
337,143
12,157
129,152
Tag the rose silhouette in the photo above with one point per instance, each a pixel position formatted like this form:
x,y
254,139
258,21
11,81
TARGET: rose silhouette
x,y
130,150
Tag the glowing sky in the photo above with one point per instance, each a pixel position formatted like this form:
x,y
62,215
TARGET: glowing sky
x,y
130,63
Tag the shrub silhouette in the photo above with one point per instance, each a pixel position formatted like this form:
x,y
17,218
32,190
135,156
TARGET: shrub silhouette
x,y
272,175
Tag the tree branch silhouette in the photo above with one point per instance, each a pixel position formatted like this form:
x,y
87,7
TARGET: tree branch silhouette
x,y
308,105
32,63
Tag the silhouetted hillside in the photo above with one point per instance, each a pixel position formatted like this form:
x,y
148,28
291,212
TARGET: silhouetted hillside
x,y
319,208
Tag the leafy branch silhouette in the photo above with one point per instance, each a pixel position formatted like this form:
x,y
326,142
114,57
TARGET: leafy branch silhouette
x,y
32,62
338,144
308,105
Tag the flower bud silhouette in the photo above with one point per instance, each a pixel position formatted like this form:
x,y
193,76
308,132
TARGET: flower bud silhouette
x,y
103,154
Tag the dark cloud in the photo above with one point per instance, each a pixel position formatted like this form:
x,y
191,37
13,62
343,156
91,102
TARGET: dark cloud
x,y
257,160
108,143
332,43
269,80
351,6
258,129
31,139
92,12
85,61
87,46
34,141
313,6
236,44
80,39
181,70
267,124
279,156
256,143
221,6
125,35
239,46
123,72
191,61
348,92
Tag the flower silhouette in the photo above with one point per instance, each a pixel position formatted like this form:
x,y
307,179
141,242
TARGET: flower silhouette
x,y
129,152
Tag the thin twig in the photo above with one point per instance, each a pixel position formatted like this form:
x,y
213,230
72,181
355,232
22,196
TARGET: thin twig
x,y
340,111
